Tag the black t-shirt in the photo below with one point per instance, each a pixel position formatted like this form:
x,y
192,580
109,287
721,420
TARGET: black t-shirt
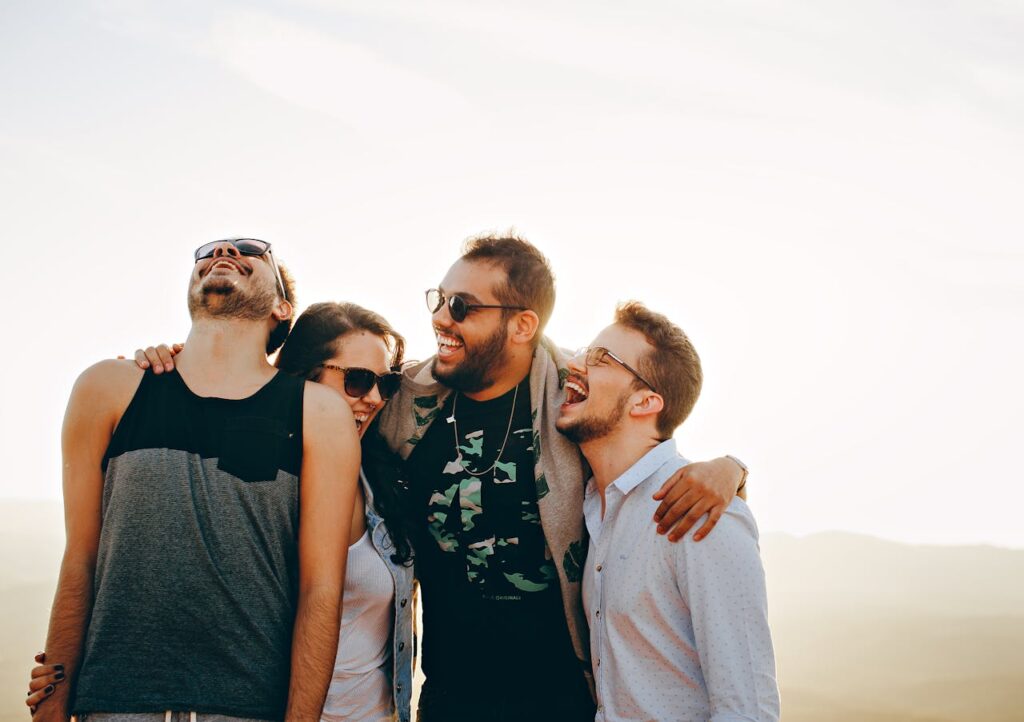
x,y
492,607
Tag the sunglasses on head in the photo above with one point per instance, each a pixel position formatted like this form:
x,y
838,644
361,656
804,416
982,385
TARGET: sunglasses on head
x,y
594,355
245,247
458,307
359,381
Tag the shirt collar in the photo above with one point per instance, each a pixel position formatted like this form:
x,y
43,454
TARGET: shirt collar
x,y
645,466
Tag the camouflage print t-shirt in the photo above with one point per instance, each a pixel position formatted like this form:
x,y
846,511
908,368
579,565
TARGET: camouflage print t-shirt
x,y
492,610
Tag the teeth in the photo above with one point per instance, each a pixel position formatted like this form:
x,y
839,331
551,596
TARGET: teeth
x,y
447,341
577,388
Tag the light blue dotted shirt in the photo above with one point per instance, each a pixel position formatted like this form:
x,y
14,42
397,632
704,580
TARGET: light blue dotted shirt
x,y
677,631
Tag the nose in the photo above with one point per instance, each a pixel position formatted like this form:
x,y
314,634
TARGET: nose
x,y
226,248
442,317
373,396
577,365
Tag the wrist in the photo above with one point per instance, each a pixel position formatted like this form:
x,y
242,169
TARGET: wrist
x,y
744,472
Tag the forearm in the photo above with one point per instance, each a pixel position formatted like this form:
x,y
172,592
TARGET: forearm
x,y
314,647
72,607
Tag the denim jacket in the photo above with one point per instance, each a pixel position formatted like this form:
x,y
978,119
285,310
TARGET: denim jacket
x,y
402,645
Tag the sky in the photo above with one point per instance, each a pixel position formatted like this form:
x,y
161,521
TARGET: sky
x,y
825,196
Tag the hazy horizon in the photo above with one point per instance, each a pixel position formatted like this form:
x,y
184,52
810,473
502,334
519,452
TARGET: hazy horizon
x,y
865,630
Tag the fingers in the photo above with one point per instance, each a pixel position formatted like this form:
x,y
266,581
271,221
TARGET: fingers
x,y
675,507
689,520
34,698
47,669
166,357
670,492
43,681
41,657
713,517
177,348
660,493
159,358
140,358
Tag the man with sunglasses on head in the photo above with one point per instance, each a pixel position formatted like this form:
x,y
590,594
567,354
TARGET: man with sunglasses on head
x,y
496,497
195,583
677,631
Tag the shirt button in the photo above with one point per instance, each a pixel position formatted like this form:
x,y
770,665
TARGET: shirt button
x,y
398,687
598,613
401,646
404,601
599,663
598,567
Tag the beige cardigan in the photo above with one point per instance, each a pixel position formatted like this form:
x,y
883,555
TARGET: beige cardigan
x,y
559,469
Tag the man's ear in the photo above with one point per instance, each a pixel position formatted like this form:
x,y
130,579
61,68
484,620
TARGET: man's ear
x,y
524,326
649,403
283,310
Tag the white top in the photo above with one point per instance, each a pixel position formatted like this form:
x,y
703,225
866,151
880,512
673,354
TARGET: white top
x,y
361,685
677,631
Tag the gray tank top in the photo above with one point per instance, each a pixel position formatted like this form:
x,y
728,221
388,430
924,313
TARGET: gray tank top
x,y
197,569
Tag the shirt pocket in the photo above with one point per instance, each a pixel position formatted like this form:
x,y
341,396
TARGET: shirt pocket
x,y
251,448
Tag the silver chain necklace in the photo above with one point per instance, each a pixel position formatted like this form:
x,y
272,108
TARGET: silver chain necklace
x,y
458,449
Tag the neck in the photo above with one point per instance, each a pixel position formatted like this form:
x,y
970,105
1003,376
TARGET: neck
x,y
513,373
226,354
612,455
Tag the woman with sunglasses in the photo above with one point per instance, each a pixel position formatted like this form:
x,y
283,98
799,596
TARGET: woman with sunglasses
x,y
356,351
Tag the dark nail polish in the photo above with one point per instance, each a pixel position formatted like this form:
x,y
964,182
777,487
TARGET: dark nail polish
x,y
59,667
49,688
59,676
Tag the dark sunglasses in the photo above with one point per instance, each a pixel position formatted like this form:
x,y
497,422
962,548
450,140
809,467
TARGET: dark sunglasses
x,y
458,307
593,355
246,247
359,381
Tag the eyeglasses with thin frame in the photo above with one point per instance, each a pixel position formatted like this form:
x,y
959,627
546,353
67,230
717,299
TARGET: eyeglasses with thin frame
x,y
246,247
359,381
459,307
593,355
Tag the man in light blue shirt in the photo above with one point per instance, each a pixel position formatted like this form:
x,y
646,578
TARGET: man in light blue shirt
x,y
677,631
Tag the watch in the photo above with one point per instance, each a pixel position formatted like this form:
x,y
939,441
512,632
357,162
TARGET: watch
x,y
743,467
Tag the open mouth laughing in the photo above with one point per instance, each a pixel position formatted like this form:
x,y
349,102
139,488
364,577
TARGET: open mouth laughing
x,y
362,417
576,390
447,344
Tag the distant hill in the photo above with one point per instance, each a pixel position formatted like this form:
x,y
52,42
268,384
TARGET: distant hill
x,y
871,630
865,630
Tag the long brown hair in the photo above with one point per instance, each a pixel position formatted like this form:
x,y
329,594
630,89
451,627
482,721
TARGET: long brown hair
x,y
318,335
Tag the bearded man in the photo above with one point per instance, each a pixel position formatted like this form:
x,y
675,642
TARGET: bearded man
x,y
195,583
496,497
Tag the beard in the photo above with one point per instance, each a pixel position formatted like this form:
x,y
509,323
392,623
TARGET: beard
x,y
478,368
221,298
593,427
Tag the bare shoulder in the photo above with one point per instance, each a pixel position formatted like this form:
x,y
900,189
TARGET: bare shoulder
x,y
325,414
109,382
100,396
319,401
